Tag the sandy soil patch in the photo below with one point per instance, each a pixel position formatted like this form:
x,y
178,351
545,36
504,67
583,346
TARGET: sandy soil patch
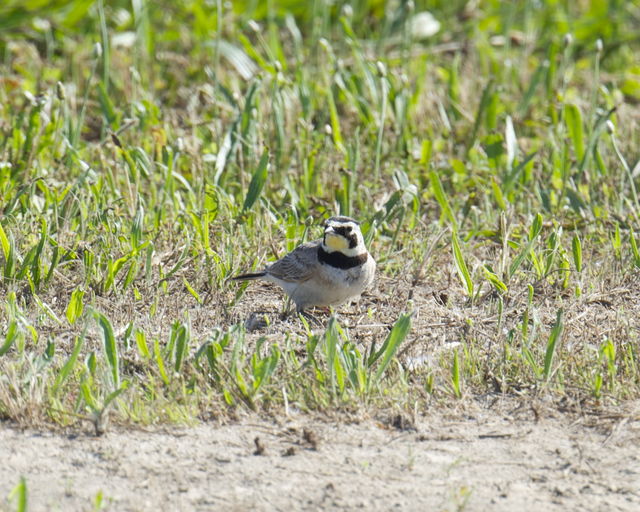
x,y
478,459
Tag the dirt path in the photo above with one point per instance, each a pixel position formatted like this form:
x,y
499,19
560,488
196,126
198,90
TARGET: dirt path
x,y
471,461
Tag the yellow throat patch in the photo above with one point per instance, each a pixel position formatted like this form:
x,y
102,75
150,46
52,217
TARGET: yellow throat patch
x,y
336,242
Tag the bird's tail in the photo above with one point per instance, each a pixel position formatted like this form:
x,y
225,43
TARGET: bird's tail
x,y
249,277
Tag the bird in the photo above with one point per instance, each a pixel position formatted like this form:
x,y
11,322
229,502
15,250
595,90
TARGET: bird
x,y
325,272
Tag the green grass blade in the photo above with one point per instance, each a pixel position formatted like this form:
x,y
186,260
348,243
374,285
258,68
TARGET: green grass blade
x,y
226,149
495,281
576,247
455,375
107,107
511,142
10,259
536,227
76,306
20,493
331,349
573,122
530,359
115,394
110,347
10,337
160,362
258,180
181,346
391,344
485,100
554,337
192,291
141,343
634,249
534,232
265,368
4,243
88,397
534,81
441,197
335,122
384,86
461,266
65,371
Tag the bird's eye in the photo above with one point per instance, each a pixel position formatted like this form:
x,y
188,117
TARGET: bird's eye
x,y
348,229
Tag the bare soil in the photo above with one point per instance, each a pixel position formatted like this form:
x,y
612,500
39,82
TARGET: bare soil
x,y
496,456
482,453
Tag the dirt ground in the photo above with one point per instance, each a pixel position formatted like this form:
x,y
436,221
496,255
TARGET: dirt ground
x,y
501,458
486,453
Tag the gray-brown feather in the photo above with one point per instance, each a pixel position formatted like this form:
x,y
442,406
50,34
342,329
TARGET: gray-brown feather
x,y
297,266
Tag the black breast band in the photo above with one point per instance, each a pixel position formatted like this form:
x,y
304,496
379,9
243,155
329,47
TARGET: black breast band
x,y
338,260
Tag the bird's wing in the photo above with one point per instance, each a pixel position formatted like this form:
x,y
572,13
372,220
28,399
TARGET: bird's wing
x,y
297,266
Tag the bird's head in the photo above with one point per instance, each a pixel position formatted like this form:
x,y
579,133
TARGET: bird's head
x,y
342,234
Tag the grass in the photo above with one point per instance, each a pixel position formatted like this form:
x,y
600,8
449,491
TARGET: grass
x,y
146,157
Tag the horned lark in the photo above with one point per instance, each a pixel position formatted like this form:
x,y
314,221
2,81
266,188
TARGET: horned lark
x,y
325,272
